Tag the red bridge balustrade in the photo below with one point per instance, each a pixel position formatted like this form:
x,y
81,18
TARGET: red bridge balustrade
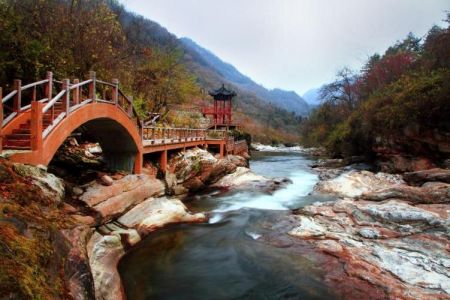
x,y
36,119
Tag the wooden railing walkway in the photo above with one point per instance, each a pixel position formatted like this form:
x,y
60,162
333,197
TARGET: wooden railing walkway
x,y
49,102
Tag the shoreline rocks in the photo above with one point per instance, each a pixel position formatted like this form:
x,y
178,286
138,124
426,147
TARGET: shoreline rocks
x,y
355,183
390,238
111,241
243,179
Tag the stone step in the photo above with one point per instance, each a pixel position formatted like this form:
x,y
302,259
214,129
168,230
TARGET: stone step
x,y
16,144
21,131
18,136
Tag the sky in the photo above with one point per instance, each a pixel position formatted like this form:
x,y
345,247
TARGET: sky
x,y
294,44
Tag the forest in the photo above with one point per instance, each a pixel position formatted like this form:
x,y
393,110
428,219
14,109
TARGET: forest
x,y
398,102
74,37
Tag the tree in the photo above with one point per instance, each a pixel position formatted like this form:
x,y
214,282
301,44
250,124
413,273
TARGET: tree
x,y
341,92
162,79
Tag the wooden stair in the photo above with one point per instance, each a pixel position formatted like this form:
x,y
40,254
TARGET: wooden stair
x,y
20,138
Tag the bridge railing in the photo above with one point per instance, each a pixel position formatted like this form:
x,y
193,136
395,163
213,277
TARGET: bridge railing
x,y
217,134
21,97
75,95
164,135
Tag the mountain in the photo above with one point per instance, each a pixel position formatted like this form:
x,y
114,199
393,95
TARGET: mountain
x,y
287,100
271,116
312,97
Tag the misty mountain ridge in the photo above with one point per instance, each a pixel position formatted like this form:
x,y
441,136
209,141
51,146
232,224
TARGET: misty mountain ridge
x,y
287,100
312,97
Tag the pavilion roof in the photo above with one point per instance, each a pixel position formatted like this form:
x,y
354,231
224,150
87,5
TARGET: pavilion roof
x,y
222,92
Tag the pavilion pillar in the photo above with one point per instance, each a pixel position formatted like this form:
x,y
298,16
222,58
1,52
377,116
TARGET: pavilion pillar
x,y
222,150
163,161
138,163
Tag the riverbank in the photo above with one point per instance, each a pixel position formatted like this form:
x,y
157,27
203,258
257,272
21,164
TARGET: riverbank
x,y
88,226
370,241
385,237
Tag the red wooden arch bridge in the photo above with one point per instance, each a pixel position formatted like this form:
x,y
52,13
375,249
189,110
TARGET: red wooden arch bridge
x,y
37,118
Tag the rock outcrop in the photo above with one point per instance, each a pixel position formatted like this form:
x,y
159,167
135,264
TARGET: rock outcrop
x,y
245,179
77,271
49,184
110,242
104,255
355,183
420,177
390,238
197,168
392,246
154,213
112,201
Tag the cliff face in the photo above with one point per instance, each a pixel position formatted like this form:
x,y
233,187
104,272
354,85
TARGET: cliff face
x,y
415,150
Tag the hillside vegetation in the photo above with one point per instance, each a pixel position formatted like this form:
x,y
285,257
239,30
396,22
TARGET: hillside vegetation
x,y
161,71
397,105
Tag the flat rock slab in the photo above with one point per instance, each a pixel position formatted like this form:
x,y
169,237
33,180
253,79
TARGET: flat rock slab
x,y
98,193
154,213
355,183
117,205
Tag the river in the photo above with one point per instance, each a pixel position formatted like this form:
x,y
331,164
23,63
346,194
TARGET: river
x,y
226,258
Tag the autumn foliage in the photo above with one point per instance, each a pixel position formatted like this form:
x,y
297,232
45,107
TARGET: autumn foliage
x,y
401,96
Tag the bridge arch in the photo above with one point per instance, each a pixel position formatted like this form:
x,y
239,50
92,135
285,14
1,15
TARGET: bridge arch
x,y
117,134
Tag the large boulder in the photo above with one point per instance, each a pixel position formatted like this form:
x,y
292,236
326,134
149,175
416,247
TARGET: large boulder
x,y
420,177
197,168
355,183
430,192
244,178
111,201
104,254
77,271
50,185
155,213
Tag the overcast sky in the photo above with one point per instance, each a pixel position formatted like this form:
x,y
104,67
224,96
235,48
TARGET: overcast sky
x,y
293,44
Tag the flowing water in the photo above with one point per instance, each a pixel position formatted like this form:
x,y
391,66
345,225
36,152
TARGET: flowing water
x,y
225,258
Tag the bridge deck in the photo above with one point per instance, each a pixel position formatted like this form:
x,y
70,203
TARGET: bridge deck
x,y
53,109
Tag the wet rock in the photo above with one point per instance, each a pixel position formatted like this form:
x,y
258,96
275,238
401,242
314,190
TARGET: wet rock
x,y
240,176
112,201
77,191
420,177
197,168
77,271
329,163
308,228
244,178
430,192
95,149
97,193
355,183
154,213
238,161
106,180
400,212
104,254
171,182
116,205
